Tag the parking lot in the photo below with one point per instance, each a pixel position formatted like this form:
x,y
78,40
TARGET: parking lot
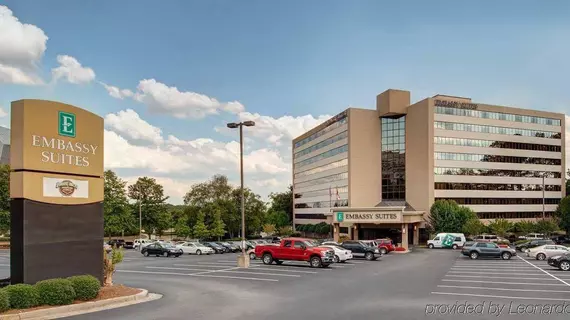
x,y
394,287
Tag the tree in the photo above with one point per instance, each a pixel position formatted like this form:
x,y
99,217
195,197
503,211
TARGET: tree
x,y
285,231
546,226
283,202
567,183
163,222
4,187
525,227
4,222
150,195
500,227
277,218
473,227
110,261
116,212
269,229
448,216
217,228
182,228
563,213
200,230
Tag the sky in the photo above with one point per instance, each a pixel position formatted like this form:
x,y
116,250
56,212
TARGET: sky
x,y
168,75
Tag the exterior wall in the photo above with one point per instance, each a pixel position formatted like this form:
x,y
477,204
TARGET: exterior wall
x,y
419,155
364,151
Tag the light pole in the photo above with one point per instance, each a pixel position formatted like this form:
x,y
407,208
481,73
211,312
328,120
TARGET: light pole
x,y
244,262
543,187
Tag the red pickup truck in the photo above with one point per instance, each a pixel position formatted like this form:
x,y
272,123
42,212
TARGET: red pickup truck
x,y
296,249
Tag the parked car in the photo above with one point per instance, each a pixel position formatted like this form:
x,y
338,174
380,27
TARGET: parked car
x,y
522,247
370,243
107,247
490,238
561,262
233,247
534,236
251,254
340,254
297,249
214,246
194,248
546,251
447,240
141,243
561,240
117,243
385,245
228,248
129,245
361,249
487,249
272,239
159,249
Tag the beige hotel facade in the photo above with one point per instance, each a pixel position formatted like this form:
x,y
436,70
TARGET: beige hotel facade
x,y
375,173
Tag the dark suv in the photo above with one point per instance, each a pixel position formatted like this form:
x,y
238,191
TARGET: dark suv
x,y
533,244
487,249
360,249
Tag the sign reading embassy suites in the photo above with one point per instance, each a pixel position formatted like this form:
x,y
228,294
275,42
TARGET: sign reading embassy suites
x,y
368,217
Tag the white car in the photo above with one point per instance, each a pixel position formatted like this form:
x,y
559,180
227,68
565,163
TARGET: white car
x,y
546,251
194,248
143,242
340,254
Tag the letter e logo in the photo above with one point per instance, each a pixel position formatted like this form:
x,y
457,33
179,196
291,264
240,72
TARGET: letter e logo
x,y
66,124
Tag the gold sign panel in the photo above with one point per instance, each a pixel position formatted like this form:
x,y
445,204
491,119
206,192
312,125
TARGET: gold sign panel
x,y
55,188
50,136
368,217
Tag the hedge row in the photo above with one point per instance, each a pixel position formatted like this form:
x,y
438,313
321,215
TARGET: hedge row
x,y
53,292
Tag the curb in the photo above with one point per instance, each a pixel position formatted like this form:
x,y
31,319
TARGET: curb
x,y
85,307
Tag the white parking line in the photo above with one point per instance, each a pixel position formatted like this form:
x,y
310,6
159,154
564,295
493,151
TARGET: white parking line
x,y
505,273
548,273
491,277
504,289
198,275
287,270
498,297
4,265
199,265
261,273
212,271
230,277
491,268
501,282
185,269
154,272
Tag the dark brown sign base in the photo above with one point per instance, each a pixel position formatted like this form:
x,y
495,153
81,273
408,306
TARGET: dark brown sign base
x,y
54,241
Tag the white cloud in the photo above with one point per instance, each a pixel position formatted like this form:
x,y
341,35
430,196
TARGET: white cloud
x,y
71,70
161,98
3,113
22,47
129,124
116,92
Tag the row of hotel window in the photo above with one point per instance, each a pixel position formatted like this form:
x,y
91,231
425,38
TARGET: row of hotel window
x,y
331,191
495,186
322,144
495,173
495,201
322,204
328,166
494,158
495,144
514,215
481,215
495,130
317,134
323,180
496,116
324,155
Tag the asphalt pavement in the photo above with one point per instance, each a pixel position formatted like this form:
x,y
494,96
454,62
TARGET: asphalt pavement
x,y
424,284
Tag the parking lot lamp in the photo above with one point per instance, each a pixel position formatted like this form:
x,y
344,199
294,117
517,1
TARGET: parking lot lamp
x,y
240,125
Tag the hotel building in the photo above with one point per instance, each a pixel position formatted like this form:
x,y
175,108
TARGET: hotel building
x,y
375,173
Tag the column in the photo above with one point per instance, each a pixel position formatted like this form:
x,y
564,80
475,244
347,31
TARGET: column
x,y
336,231
350,232
416,234
405,235
355,231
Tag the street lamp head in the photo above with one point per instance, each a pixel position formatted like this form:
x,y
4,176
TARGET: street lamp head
x,y
249,123
232,125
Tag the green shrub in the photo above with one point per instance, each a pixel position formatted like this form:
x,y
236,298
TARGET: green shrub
x,y
520,241
4,301
22,296
55,292
295,234
86,287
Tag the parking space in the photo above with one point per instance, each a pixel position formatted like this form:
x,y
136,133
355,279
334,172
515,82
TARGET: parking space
x,y
518,280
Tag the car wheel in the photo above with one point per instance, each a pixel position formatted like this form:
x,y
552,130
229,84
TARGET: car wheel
x,y
454,247
506,256
316,262
564,266
251,256
165,254
267,258
199,252
540,256
474,255
430,246
383,251
336,259
145,253
369,256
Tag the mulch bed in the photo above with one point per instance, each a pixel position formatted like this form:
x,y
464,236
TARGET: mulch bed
x,y
105,293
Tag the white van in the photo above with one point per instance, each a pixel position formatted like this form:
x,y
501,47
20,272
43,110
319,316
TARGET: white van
x,y
141,243
447,240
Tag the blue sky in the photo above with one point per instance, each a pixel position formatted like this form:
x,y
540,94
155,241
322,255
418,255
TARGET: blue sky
x,y
304,59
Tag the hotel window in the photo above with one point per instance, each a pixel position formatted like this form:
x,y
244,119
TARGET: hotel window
x,y
495,144
496,116
495,172
341,120
494,186
495,158
394,158
322,144
332,165
495,130
500,201
322,156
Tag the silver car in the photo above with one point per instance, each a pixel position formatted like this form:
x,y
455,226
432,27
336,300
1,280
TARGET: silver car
x,y
546,251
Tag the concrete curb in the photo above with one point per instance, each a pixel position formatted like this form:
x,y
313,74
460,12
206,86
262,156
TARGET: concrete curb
x,y
86,307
